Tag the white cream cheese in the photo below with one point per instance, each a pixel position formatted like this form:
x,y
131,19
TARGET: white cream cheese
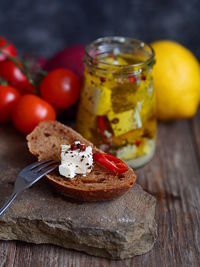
x,y
75,162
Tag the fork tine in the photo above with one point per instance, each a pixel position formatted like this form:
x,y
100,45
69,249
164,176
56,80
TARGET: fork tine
x,y
42,166
33,165
48,169
37,164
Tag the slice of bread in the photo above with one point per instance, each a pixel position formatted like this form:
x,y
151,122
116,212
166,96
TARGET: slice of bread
x,y
99,185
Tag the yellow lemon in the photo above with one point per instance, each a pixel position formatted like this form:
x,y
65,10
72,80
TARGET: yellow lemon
x,y
176,77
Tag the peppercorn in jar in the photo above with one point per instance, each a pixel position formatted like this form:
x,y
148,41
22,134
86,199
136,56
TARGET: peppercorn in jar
x,y
117,105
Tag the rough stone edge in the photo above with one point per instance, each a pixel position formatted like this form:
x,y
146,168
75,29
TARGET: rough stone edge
x,y
67,238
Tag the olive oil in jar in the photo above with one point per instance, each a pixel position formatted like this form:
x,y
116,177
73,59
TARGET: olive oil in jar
x,y
117,105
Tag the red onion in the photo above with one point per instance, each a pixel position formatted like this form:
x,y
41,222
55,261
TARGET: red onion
x,y
70,58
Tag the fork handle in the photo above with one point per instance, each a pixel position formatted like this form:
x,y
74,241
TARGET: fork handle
x,y
8,203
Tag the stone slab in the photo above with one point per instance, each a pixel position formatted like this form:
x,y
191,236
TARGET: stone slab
x,y
118,229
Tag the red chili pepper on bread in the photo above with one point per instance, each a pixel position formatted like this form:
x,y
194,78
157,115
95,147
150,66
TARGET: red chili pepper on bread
x,y
110,162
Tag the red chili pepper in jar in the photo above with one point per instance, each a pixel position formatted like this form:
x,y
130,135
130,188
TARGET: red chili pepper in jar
x,y
102,126
110,162
143,77
102,79
138,142
132,79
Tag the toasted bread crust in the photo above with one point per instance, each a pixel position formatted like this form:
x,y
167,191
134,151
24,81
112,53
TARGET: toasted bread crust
x,y
99,185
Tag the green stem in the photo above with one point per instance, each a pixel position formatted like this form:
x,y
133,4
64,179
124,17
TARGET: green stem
x,y
3,82
40,74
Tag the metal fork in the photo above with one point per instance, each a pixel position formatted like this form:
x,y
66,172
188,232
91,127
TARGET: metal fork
x,y
27,177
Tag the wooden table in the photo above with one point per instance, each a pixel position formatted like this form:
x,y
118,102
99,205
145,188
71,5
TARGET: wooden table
x,y
173,176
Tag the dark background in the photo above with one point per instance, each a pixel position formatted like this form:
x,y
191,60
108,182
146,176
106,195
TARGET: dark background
x,y
44,26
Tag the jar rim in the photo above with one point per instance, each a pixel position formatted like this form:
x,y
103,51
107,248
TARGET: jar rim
x,y
120,40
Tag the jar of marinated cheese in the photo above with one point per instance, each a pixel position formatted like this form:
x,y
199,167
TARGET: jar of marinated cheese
x,y
117,105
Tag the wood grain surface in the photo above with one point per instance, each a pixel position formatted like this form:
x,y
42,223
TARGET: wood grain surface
x,y
173,176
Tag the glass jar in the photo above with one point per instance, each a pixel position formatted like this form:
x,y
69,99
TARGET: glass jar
x,y
117,105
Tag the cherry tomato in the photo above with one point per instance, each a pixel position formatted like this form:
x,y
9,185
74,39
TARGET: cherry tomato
x,y
9,97
61,88
7,49
30,111
110,162
12,73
